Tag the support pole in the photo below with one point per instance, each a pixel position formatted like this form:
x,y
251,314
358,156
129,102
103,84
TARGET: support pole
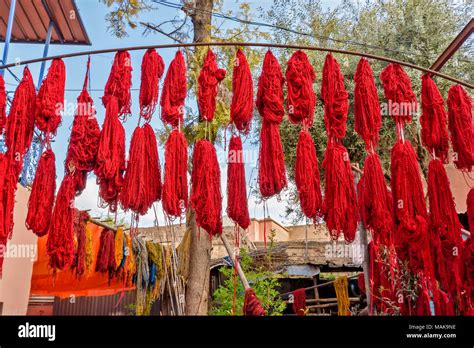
x,y
365,266
8,35
240,272
45,53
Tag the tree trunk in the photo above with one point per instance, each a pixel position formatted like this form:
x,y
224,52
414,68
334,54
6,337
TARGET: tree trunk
x,y
197,287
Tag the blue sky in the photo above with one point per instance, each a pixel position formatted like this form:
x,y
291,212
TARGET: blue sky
x,y
93,15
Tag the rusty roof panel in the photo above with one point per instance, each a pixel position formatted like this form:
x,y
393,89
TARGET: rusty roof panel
x,y
32,19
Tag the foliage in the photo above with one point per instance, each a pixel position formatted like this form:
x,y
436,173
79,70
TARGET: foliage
x,y
123,15
263,282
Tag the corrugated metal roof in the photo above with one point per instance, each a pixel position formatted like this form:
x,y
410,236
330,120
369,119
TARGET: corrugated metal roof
x,y
32,18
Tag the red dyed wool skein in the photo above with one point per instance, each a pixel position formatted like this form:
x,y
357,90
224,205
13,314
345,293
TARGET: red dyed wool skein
x,y
470,209
84,139
434,132
3,105
335,99
367,114
152,71
307,176
398,92
340,201
60,243
299,302
175,183
81,219
241,108
461,127
208,81
106,255
142,181
50,99
206,198
271,168
41,201
301,98
174,92
119,83
10,170
111,156
252,306
237,205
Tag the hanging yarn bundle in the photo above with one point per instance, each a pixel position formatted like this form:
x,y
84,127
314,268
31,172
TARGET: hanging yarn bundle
x,y
208,81
175,183
461,127
21,118
206,199
342,294
9,175
301,98
3,105
142,181
241,108
106,255
119,83
445,226
434,133
367,114
470,209
111,156
81,219
375,202
118,247
237,205
422,305
84,140
299,302
174,92
271,169
307,176
41,200
60,244
398,92
50,99
152,71
335,99
409,209
252,306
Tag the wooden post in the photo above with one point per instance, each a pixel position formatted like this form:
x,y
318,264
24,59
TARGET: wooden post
x,y
365,265
240,272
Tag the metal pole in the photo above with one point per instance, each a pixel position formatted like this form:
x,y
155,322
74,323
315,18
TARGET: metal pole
x,y
45,53
8,35
240,272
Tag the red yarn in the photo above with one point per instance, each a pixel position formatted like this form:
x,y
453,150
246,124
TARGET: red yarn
x,y
367,114
335,99
398,93
175,183
375,201
105,261
152,71
301,98
434,132
174,92
252,306
111,156
361,283
410,215
461,127
470,209
10,169
142,181
307,176
119,83
60,244
443,304
241,108
208,82
41,201
21,118
80,222
50,99
422,305
206,199
271,169
340,201
3,104
237,205
299,302
445,226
